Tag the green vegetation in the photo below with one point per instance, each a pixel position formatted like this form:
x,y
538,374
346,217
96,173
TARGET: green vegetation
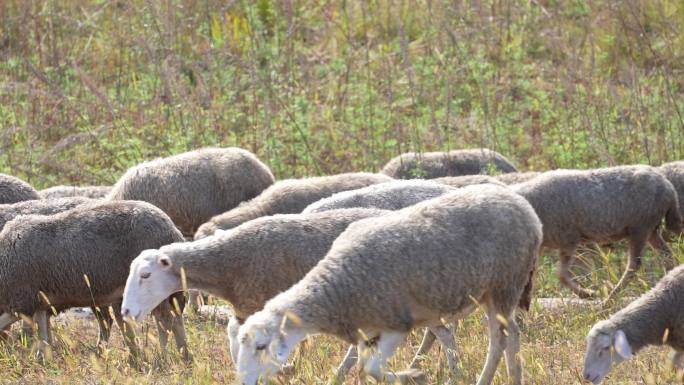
x,y
88,88
91,87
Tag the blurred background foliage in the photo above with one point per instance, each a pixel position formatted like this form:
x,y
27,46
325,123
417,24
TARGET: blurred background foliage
x,y
91,87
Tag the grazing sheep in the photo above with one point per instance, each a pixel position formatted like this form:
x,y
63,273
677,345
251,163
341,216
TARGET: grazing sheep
x,y
653,319
674,172
384,276
289,196
75,191
247,265
81,258
194,186
467,180
430,165
603,205
40,207
386,196
517,177
14,190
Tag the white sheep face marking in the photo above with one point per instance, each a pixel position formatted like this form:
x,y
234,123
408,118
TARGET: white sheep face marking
x,y
264,348
605,348
150,281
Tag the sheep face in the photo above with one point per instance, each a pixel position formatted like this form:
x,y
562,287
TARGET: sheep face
x,y
150,281
264,348
605,347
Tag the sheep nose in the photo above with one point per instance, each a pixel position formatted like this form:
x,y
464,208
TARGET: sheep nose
x,y
125,312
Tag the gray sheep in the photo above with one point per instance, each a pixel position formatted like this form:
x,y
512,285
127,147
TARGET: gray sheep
x,y
386,196
247,265
75,191
653,319
39,207
517,177
289,196
81,257
194,186
430,165
476,246
603,206
467,180
674,172
14,190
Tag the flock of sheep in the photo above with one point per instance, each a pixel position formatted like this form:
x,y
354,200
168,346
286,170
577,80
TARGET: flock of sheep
x,y
362,256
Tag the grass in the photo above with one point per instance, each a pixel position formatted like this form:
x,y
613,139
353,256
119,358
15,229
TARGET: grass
x,y
552,348
89,88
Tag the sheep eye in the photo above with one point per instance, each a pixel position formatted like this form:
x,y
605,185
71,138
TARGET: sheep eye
x,y
261,347
145,275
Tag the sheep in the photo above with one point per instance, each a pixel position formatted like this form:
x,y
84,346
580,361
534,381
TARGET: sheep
x,y
387,196
14,190
430,165
674,172
383,276
653,319
289,196
194,186
39,206
81,257
517,177
75,191
467,180
603,205
247,265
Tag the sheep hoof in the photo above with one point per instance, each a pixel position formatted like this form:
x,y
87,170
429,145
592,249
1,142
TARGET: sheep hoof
x,y
287,370
411,377
586,293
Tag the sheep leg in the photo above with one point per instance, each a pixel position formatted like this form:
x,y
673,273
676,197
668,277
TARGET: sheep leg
x,y
42,319
104,325
233,343
345,366
658,243
567,255
446,339
497,344
169,316
128,334
6,321
513,366
637,244
428,340
373,359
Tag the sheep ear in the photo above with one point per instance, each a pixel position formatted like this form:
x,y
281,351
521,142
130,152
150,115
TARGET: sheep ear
x,y
164,261
622,345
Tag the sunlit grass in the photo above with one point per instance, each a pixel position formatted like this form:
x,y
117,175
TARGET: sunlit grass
x,y
552,340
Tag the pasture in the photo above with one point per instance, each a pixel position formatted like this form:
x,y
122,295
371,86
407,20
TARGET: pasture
x,y
90,88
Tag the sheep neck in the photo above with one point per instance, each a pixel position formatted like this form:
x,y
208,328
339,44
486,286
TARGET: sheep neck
x,y
646,320
208,266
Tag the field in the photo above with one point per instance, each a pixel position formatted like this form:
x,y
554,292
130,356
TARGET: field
x,y
89,88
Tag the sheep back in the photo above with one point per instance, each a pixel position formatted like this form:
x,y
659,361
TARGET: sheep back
x,y
602,205
14,190
75,191
267,255
39,207
290,196
194,186
467,180
52,254
411,267
517,177
386,196
430,165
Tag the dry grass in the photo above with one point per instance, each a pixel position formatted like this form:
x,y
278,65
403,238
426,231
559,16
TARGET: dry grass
x,y
552,349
